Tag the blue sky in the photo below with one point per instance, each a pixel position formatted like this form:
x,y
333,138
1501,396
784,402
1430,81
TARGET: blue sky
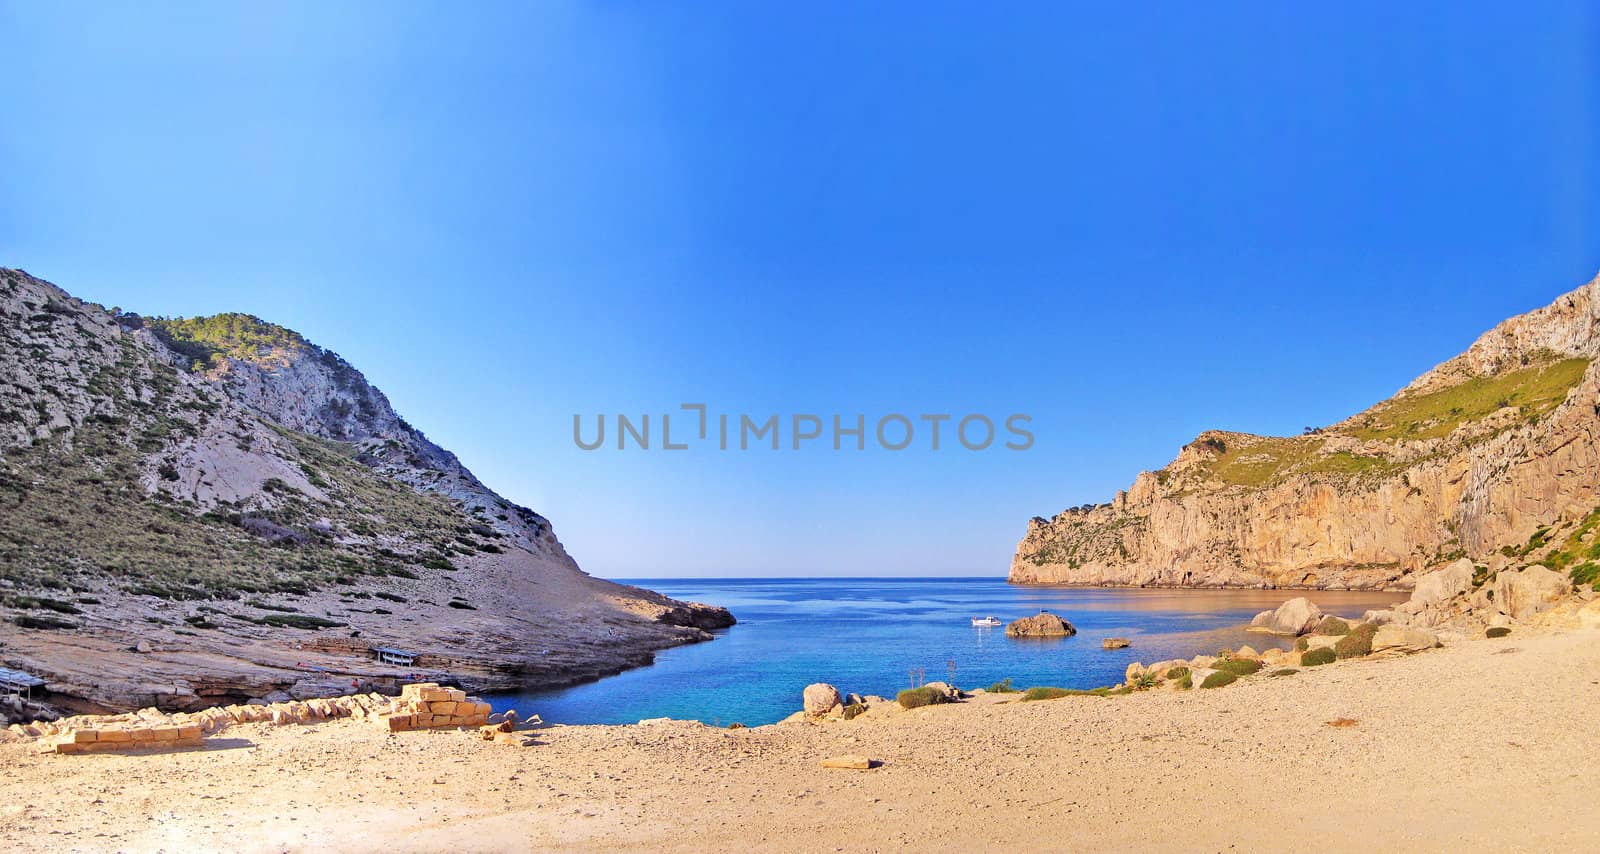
x,y
1131,226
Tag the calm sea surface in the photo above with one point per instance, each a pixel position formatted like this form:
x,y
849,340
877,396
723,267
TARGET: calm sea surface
x,y
866,635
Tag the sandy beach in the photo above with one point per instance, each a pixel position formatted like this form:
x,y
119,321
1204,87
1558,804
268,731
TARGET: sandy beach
x,y
1483,744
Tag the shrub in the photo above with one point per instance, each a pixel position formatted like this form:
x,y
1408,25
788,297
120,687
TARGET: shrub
x,y
299,621
1287,671
1044,693
1356,644
1178,672
1237,666
43,622
1219,679
1002,687
1186,681
736,725
1301,644
1331,626
1316,657
1497,632
853,710
1585,573
912,698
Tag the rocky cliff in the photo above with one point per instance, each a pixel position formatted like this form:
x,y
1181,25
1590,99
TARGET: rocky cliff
x,y
1490,455
204,510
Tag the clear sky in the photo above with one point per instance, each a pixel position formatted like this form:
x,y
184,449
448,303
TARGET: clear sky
x,y
1131,226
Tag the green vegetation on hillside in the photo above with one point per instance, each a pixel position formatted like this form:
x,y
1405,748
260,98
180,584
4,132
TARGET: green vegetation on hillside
x,y
1533,390
201,340
1262,460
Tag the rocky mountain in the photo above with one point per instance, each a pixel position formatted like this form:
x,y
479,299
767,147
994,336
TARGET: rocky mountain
x,y
1490,456
210,509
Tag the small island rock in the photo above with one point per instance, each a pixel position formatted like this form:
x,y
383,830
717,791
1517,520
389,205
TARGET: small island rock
x,y
1115,643
1040,626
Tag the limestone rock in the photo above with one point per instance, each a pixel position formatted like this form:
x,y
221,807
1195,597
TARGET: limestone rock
x,y
1237,510
1040,626
1444,584
1402,639
852,762
1294,617
1529,591
820,698
1115,643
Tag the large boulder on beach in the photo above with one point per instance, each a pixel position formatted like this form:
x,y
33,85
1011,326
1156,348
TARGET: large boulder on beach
x,y
1294,617
820,698
1445,584
1402,639
1040,626
1529,591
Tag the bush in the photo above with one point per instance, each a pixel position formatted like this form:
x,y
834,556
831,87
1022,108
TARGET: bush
x,y
736,725
1497,632
912,698
1287,671
1317,657
299,621
1179,672
1237,666
1301,644
853,710
1002,687
1356,644
1585,573
1331,626
1219,679
1186,681
1043,693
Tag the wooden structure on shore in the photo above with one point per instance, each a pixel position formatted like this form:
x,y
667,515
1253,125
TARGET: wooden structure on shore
x,y
19,684
390,655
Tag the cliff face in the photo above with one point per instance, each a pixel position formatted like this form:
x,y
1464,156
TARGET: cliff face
x,y
188,506
1472,459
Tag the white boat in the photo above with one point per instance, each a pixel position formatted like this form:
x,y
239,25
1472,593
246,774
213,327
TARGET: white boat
x,y
986,621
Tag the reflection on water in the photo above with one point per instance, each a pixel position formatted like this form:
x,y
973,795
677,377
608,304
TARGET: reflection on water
x,y
867,635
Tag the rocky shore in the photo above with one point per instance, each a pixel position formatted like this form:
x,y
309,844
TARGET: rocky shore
x,y
1427,752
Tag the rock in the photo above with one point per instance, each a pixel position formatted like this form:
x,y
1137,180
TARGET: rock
x,y
143,647
1040,626
1134,671
1402,639
1444,584
858,763
1272,655
1486,482
820,698
1294,617
1115,643
1198,675
1247,651
1379,618
1529,591
1322,641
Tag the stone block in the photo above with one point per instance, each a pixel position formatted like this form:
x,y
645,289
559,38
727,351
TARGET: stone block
x,y
85,736
116,736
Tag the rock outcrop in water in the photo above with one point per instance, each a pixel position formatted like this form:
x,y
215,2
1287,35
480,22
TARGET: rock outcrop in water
x,y
1481,457
197,512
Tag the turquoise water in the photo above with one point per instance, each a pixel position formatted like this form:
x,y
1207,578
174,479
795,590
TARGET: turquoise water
x,y
866,635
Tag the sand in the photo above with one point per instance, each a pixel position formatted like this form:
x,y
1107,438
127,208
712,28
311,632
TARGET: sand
x,y
1487,744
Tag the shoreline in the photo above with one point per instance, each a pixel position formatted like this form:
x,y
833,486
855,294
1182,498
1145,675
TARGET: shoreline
x,y
1256,764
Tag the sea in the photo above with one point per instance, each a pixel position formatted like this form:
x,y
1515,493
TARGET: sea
x,y
882,635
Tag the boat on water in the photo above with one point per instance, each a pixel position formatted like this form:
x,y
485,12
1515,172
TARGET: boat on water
x,y
986,621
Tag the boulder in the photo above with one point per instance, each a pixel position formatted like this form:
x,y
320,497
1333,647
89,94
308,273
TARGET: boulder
x,y
1247,652
1402,639
1040,626
1294,617
1322,641
1134,671
1115,643
1444,584
1272,655
820,698
857,763
1529,591
1380,618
